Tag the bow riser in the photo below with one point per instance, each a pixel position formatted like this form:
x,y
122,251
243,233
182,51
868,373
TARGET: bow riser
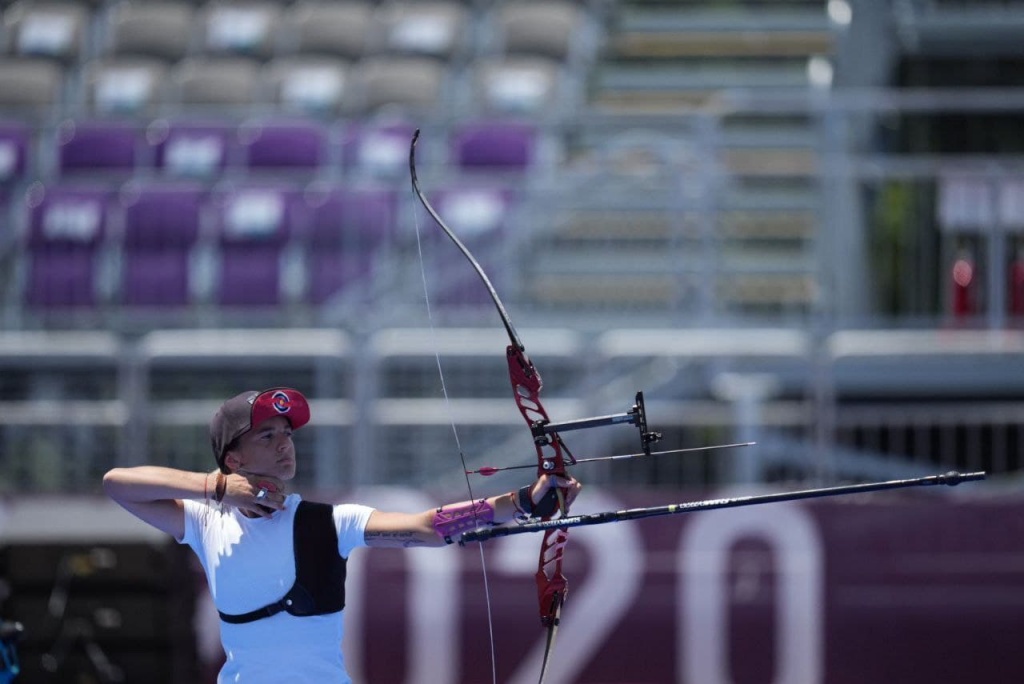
x,y
526,387
551,459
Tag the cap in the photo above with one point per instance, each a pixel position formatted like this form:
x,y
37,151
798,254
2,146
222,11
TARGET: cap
x,y
241,413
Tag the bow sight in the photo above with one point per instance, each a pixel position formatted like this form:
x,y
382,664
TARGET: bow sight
x,y
635,416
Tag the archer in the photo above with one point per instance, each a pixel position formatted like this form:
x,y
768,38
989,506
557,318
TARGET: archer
x,y
275,564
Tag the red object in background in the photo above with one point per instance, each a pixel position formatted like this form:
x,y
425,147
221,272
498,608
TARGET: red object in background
x,y
965,286
1017,285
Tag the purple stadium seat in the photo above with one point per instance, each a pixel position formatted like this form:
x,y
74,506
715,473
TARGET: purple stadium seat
x,y
66,230
480,216
298,145
89,147
197,149
254,224
7,236
15,141
497,146
347,226
161,227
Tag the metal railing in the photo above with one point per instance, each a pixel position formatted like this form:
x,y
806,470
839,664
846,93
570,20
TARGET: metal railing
x,y
843,406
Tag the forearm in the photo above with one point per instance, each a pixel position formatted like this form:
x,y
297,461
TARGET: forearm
x,y
444,525
504,510
405,530
155,483
451,521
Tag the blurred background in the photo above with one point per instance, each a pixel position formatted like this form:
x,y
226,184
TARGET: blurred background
x,y
795,222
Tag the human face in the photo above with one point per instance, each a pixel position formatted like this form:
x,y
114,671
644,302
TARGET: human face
x,y
267,449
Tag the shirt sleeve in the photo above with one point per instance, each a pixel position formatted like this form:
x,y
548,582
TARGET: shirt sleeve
x,y
350,520
193,513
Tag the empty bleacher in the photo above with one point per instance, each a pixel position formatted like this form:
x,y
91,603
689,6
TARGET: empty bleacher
x,y
168,66
179,166
316,96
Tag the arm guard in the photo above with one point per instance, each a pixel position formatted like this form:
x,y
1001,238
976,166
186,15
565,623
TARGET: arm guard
x,y
457,518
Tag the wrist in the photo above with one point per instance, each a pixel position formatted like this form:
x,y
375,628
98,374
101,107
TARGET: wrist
x,y
220,488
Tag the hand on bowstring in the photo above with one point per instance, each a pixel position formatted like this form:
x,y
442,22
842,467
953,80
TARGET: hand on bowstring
x,y
260,494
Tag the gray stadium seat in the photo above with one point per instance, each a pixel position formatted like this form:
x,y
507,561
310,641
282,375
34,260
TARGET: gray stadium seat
x,y
408,83
244,28
53,30
30,84
311,84
539,27
328,27
127,85
157,28
418,27
519,85
216,81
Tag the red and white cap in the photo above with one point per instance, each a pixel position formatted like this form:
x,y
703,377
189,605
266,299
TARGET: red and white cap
x,y
241,413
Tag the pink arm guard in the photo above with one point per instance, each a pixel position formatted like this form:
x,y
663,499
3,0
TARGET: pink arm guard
x,y
460,517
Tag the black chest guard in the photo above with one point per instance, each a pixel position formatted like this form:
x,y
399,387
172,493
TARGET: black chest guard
x,y
319,587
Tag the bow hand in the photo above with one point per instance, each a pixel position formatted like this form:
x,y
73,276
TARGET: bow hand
x,y
554,492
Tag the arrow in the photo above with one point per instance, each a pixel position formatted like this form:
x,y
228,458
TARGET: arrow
x,y
487,471
950,479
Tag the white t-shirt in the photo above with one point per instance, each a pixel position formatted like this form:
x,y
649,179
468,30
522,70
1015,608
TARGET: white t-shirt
x,y
250,562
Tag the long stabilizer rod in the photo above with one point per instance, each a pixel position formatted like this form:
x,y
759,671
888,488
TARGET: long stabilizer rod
x,y
952,478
